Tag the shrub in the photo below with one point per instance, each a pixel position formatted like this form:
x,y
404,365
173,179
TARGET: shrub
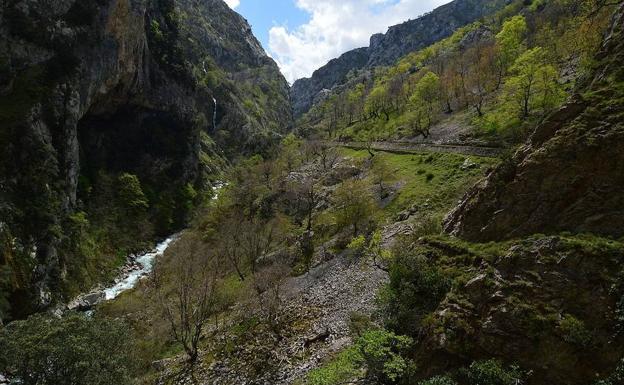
x,y
439,380
574,331
381,352
492,372
342,369
416,288
74,349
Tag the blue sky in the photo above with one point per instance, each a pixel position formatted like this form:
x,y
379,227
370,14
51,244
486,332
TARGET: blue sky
x,y
303,35
265,14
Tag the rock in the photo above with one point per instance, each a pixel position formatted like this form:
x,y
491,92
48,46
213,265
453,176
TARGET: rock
x,y
117,97
469,165
87,301
386,49
568,176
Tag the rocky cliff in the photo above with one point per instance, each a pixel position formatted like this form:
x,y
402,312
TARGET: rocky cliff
x,y
103,87
569,175
386,49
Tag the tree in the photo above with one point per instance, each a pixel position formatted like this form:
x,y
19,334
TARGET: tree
x,y
511,41
426,103
268,285
257,238
289,151
190,300
372,249
74,349
381,173
329,157
533,84
482,79
355,206
379,102
355,100
382,353
309,195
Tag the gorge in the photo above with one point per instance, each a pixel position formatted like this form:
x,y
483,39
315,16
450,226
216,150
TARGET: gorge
x,y
443,207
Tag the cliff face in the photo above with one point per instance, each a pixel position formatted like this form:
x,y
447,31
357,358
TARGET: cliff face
x,y
569,175
386,49
111,86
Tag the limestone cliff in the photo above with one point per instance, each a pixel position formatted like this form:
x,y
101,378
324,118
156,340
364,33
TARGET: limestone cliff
x,y
95,87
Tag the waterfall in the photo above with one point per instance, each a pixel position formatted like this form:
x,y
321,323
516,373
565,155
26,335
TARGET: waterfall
x,y
214,115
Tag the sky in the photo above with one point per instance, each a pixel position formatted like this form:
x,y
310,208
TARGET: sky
x,y
303,35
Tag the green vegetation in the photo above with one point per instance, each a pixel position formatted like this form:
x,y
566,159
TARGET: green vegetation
x,y
378,351
71,350
500,76
432,182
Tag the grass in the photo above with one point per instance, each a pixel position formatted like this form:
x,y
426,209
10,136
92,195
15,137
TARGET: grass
x,y
432,181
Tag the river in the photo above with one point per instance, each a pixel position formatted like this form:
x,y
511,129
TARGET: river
x,y
136,268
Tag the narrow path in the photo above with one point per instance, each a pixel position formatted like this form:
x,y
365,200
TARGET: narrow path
x,y
411,148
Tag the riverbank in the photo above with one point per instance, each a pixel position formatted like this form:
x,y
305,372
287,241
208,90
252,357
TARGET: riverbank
x,y
136,268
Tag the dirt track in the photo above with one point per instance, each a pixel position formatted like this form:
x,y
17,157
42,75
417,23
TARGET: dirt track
x,y
409,148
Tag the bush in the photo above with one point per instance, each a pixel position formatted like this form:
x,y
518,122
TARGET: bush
x,y
492,372
439,380
342,369
72,350
416,288
381,352
574,331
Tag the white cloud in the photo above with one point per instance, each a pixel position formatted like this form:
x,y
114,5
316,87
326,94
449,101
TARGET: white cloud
x,y
335,27
233,3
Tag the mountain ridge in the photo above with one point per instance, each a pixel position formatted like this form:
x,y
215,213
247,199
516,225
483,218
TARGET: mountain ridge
x,y
386,48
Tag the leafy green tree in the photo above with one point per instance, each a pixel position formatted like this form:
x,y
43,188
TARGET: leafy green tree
x,y
382,173
355,206
131,196
534,83
355,99
382,353
379,102
372,249
290,151
425,103
511,40
71,350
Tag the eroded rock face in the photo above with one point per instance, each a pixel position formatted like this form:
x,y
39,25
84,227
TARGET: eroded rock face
x,y
386,49
570,174
546,303
119,86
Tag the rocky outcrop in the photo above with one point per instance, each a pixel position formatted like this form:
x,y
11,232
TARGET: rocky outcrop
x,y
117,86
548,304
569,176
386,49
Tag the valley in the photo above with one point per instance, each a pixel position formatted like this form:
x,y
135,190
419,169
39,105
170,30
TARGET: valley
x,y
443,207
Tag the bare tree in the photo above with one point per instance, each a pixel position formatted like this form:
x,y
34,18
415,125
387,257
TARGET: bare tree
x,y
329,157
268,286
187,297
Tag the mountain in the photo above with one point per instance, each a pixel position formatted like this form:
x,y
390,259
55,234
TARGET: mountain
x,y
568,176
385,49
110,101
